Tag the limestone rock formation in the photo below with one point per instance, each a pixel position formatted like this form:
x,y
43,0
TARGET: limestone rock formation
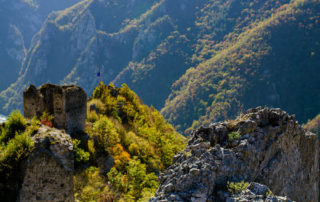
x,y
49,168
265,145
67,104
256,192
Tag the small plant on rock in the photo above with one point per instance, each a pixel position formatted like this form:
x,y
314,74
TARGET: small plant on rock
x,y
237,187
269,193
233,136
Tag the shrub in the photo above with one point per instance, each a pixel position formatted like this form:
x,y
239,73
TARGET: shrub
x,y
233,136
97,104
105,134
120,156
16,149
92,116
16,123
134,149
139,180
136,183
269,193
237,187
34,126
80,154
90,186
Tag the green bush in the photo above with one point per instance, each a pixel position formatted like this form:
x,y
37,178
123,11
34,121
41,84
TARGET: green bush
x,y
237,187
105,134
92,116
16,149
233,136
16,123
34,126
136,183
90,186
98,105
80,154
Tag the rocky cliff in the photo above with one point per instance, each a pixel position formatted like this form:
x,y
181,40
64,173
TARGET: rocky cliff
x,y
265,145
48,174
20,20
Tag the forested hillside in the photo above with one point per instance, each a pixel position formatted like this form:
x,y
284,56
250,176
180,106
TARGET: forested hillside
x,y
139,141
196,61
274,62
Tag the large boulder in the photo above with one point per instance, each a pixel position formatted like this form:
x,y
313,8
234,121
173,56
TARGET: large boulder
x,y
265,145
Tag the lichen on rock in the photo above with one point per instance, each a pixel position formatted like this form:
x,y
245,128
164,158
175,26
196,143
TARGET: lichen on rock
x,y
273,149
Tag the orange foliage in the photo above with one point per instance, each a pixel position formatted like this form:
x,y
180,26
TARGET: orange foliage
x,y
47,122
121,157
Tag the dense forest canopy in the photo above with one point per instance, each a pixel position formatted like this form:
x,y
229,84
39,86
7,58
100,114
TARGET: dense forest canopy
x,y
137,137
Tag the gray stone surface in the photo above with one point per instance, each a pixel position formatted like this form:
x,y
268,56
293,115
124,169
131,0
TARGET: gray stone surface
x,y
67,104
49,168
256,192
272,150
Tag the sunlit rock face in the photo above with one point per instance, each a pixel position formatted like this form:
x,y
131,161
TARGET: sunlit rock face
x,y
267,146
49,168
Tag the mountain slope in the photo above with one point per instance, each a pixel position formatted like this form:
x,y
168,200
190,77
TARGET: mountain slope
x,y
208,59
66,48
273,62
129,144
19,21
149,46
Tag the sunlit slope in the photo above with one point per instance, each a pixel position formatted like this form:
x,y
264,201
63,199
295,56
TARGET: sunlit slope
x,y
273,62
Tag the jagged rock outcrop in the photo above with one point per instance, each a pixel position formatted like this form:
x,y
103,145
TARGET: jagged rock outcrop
x,y
265,145
67,105
49,168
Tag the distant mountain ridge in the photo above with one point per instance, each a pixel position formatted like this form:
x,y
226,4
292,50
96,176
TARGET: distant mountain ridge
x,y
198,61
20,20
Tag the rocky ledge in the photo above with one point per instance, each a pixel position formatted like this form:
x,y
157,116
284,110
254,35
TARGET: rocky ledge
x,y
266,146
